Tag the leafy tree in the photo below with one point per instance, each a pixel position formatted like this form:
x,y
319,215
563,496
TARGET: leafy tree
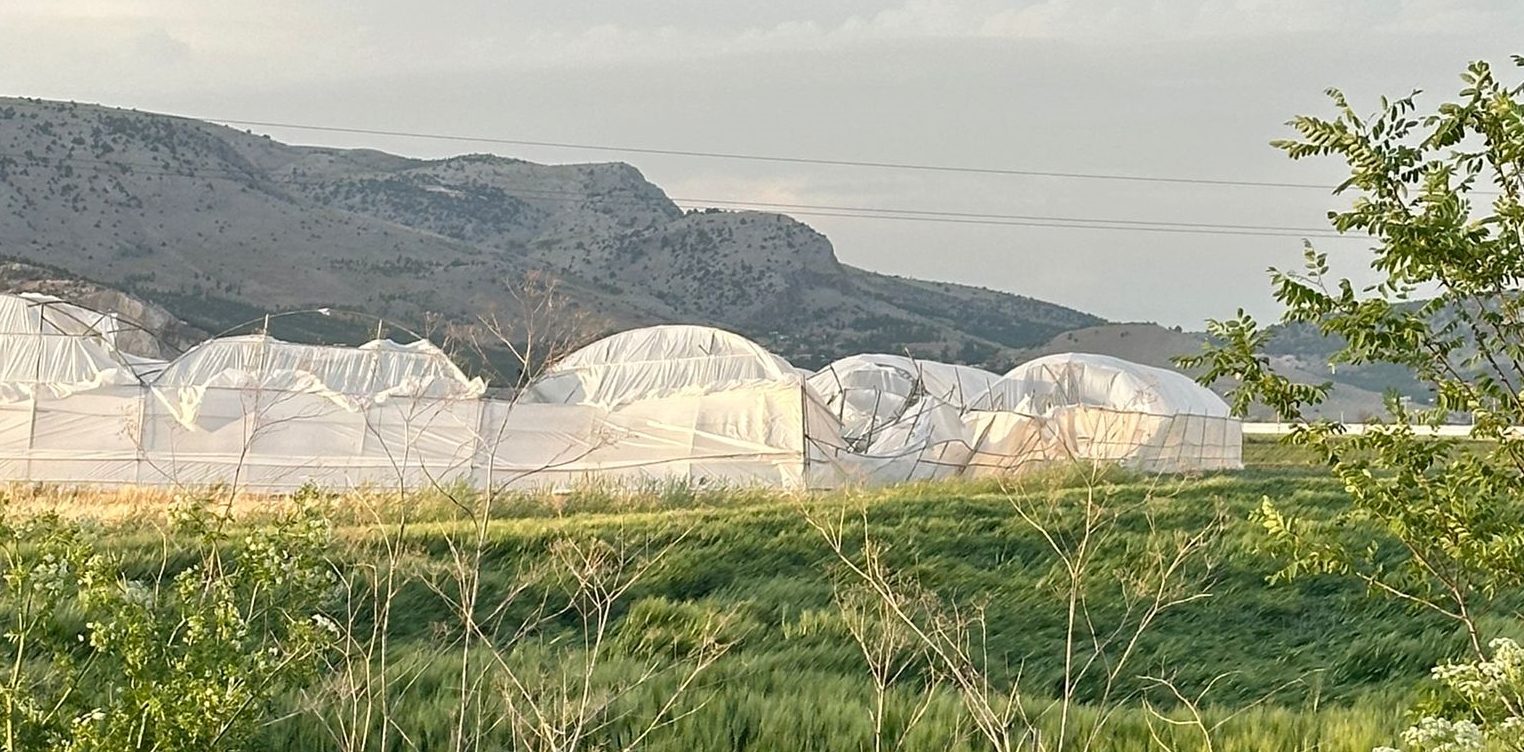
x,y
99,660
1436,522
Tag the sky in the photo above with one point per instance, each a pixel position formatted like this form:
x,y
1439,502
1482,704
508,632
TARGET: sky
x,y
1174,88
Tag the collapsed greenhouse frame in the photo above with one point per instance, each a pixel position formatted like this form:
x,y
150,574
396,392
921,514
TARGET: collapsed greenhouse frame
x,y
691,403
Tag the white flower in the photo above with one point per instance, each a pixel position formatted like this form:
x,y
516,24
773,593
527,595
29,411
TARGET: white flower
x,y
1432,734
326,624
51,574
137,594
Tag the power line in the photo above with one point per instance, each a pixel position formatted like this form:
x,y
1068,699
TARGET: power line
x,y
1038,218
1072,226
816,210
920,167
1221,182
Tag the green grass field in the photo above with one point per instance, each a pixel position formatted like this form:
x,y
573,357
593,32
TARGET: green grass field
x,y
1315,664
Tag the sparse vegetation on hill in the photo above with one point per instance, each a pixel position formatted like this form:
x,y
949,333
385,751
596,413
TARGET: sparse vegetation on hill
x,y
209,221
219,226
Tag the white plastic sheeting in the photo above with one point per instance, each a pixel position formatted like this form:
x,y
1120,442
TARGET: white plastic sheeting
x,y
1077,406
1073,379
56,348
302,383
904,419
373,371
687,402
690,403
659,362
871,393
901,418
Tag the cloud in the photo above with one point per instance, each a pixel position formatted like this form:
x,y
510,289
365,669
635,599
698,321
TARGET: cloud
x,y
348,40
1454,16
1066,20
700,190
159,48
1197,19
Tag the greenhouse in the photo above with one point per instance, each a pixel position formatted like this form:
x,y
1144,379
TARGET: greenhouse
x,y
690,404
1077,406
901,419
277,411
869,394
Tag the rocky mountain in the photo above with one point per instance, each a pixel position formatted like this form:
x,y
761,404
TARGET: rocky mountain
x,y
219,226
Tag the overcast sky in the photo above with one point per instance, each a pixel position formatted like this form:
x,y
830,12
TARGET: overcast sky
x,y
1189,88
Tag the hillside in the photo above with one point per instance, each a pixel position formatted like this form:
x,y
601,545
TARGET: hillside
x,y
192,227
219,226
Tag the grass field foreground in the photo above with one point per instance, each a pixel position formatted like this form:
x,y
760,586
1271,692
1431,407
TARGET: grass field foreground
x,y
1317,663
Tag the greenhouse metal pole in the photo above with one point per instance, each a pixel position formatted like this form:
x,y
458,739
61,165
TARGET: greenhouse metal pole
x,y
31,430
804,432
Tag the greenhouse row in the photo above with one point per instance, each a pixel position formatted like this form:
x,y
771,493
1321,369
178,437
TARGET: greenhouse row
x,y
686,403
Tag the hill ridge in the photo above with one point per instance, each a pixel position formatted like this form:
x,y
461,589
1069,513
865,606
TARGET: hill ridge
x,y
208,221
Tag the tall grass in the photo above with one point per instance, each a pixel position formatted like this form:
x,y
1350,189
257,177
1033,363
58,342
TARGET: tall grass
x,y
1313,665
759,706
